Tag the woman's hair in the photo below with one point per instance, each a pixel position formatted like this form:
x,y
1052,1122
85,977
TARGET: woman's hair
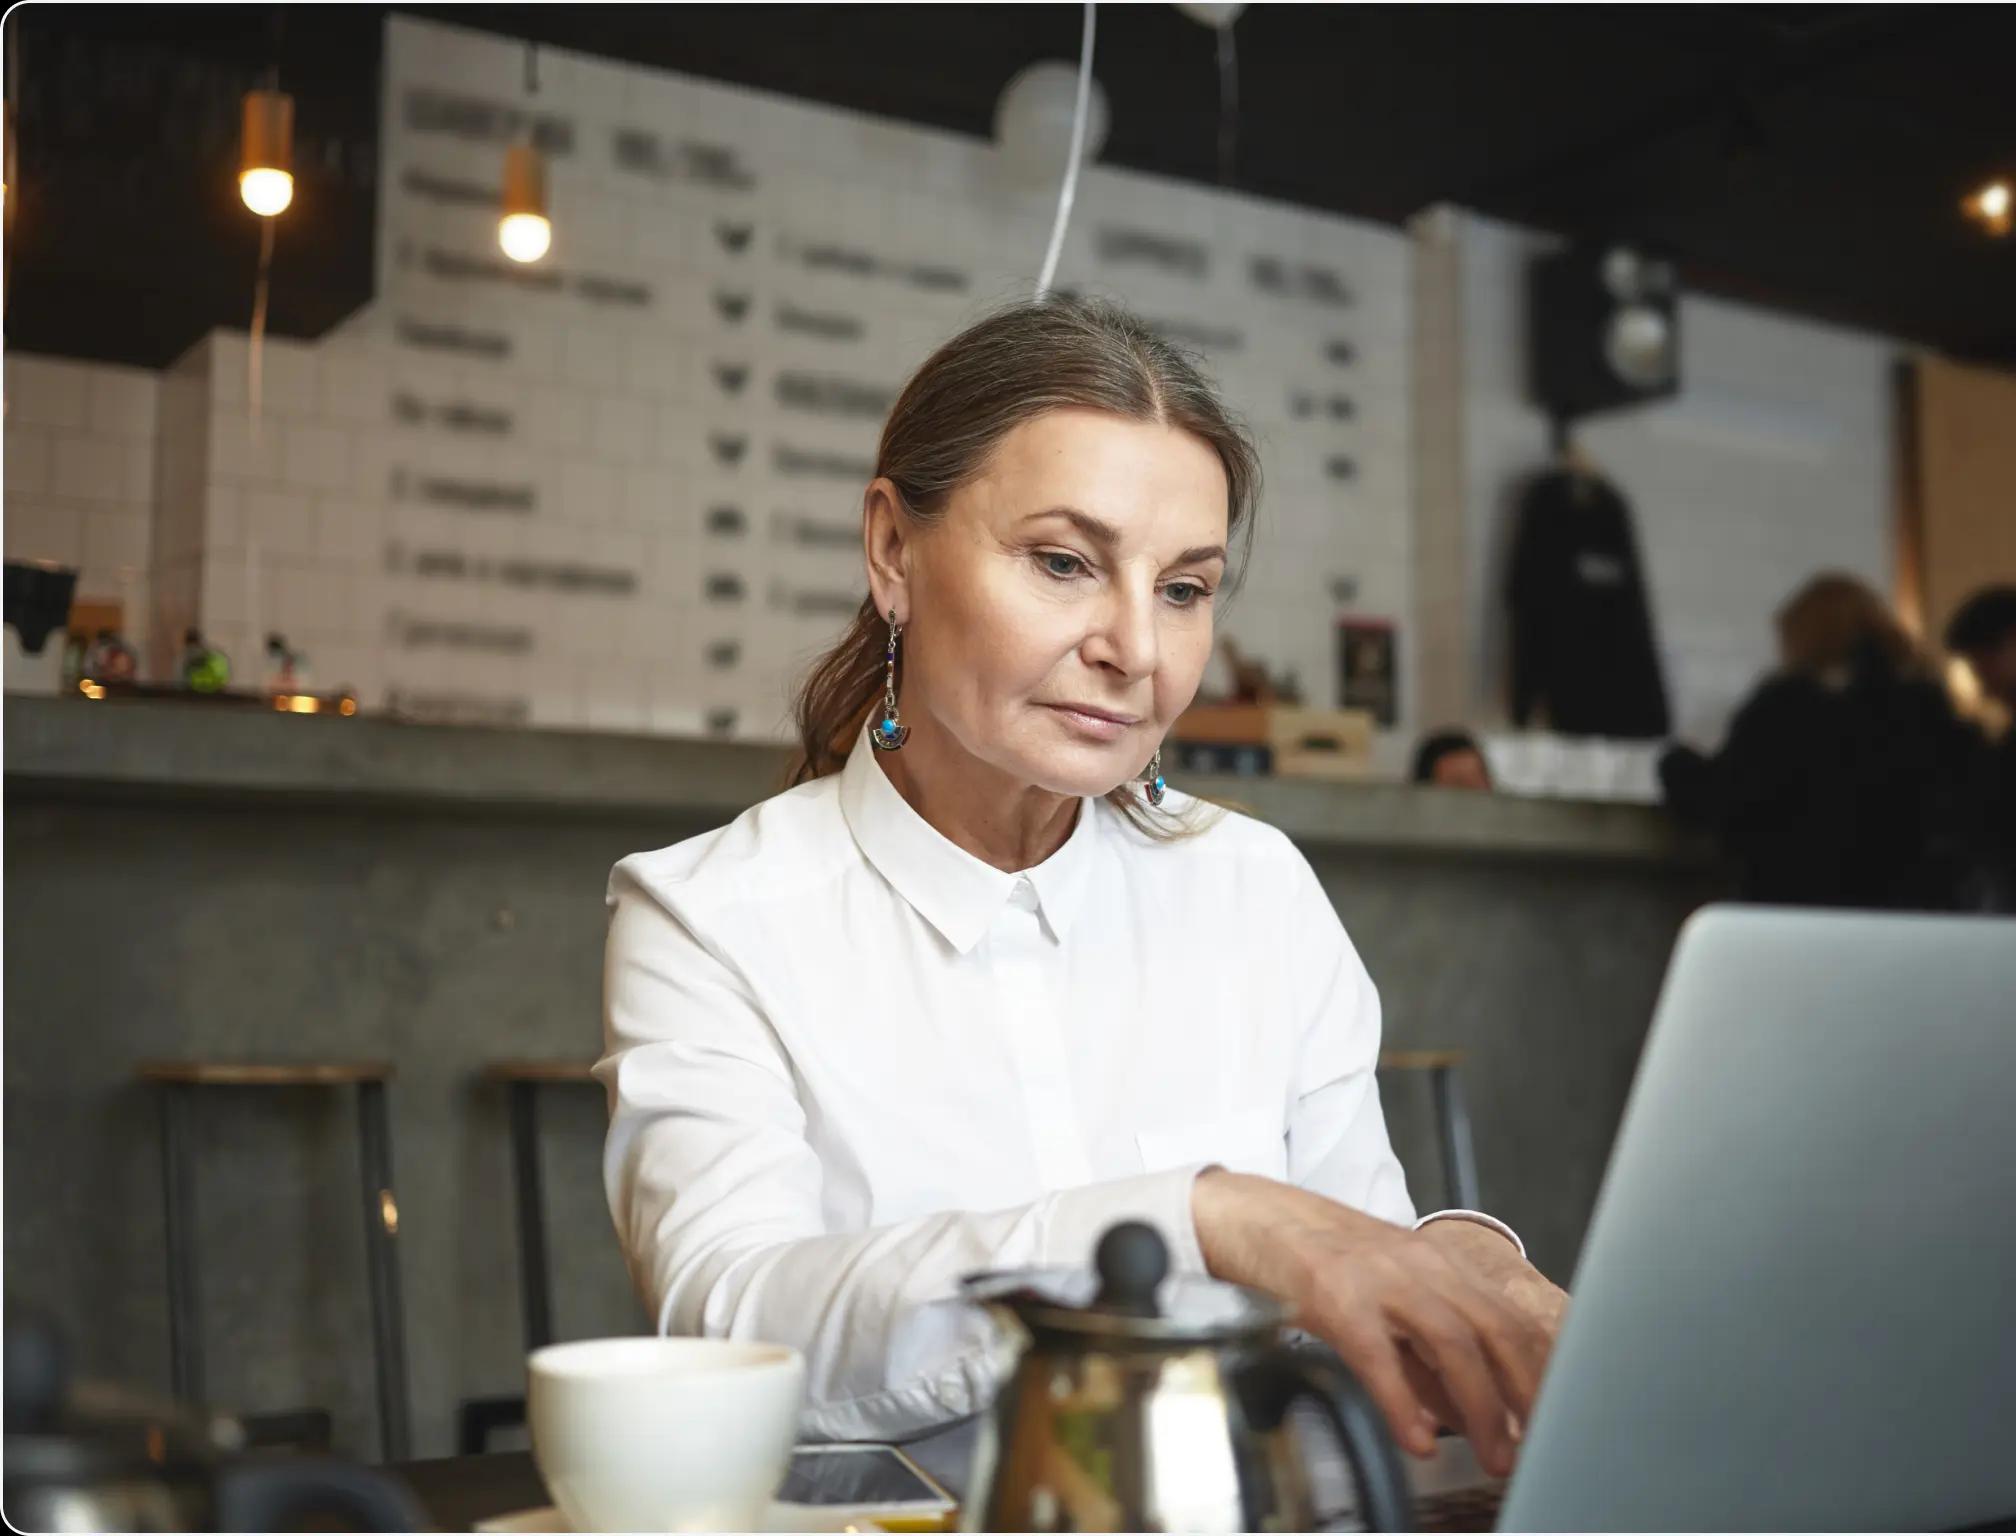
x,y
1837,621
1025,359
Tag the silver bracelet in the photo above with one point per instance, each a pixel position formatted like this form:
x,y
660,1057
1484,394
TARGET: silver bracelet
x,y
1481,1219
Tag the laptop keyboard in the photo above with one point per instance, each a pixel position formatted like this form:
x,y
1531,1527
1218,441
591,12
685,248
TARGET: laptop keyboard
x,y
1464,1509
1451,1492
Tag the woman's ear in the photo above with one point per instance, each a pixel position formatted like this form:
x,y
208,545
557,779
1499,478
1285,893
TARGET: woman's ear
x,y
886,533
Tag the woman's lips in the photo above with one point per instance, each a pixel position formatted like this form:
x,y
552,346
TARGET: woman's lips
x,y
1094,727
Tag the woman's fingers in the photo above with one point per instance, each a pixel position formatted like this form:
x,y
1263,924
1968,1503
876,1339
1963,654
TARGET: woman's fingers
x,y
1427,1386
1449,1342
1513,1343
1374,1358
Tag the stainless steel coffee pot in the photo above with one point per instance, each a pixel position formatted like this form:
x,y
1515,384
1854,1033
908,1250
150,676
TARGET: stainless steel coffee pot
x,y
1159,1403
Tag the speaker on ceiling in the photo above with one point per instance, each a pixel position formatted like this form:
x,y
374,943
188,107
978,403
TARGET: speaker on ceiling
x,y
1603,330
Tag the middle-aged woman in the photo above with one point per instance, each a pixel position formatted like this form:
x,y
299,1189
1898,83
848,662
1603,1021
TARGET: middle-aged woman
x,y
980,984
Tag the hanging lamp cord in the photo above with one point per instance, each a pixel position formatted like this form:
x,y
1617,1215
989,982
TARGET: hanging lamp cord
x,y
1069,191
1228,103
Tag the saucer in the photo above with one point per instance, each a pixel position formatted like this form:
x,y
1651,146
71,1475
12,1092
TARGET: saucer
x,y
781,1517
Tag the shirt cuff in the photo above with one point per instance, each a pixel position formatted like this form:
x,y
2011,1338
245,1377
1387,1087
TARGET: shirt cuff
x,y
1481,1219
1078,1218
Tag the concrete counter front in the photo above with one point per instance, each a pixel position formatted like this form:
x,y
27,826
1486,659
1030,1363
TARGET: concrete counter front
x,y
187,882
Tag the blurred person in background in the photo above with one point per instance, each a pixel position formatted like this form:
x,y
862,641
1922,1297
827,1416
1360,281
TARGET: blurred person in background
x,y
1451,759
1848,779
1983,632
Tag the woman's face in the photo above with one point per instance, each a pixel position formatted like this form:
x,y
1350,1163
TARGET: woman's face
x,y
1059,615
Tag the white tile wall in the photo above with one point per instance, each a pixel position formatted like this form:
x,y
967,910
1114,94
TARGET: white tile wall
x,y
122,404
78,476
316,457
31,451
48,392
617,410
88,469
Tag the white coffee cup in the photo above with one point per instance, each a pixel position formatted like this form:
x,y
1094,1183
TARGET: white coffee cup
x,y
649,1434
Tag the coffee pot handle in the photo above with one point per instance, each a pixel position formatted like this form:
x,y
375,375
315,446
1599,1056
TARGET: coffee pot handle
x,y
1282,1375
276,1495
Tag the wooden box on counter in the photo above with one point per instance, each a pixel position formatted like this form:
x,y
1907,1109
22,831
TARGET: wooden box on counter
x,y
1287,740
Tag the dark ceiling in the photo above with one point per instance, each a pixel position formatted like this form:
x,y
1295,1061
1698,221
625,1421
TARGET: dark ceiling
x,y
1812,157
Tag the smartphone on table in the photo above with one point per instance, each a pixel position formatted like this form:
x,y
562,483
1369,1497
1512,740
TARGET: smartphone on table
x,y
860,1484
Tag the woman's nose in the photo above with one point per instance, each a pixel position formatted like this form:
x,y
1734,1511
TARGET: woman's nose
x,y
1125,636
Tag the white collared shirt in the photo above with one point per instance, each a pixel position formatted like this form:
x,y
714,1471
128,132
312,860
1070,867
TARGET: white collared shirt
x,y
849,1063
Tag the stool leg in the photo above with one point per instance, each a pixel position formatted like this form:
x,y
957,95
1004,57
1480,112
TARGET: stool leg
x,y
381,1218
1459,1158
185,1344
480,1416
532,1270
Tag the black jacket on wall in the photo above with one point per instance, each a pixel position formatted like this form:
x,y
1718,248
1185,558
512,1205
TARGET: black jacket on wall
x,y
1582,648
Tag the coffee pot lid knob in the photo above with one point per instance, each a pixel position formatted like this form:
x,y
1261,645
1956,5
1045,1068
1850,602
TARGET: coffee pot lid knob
x,y
1133,1261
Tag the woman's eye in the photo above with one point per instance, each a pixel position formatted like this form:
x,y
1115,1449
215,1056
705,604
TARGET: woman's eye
x,y
1059,564
1184,594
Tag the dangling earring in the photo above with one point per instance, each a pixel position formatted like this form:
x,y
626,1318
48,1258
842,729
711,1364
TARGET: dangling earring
x,y
890,733
1157,788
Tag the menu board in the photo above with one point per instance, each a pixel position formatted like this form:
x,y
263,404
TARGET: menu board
x,y
621,487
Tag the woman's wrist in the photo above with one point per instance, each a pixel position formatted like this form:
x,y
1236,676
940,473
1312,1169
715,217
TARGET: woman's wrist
x,y
1214,1211
1498,1266
1482,1248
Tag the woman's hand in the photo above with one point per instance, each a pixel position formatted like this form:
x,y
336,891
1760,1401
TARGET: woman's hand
x,y
1498,1264
1430,1334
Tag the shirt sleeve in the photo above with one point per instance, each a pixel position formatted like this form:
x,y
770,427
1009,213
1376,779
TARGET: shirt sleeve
x,y
1337,1141
716,1194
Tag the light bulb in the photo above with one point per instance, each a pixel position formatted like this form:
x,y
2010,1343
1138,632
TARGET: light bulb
x,y
265,190
1993,207
523,231
266,153
524,236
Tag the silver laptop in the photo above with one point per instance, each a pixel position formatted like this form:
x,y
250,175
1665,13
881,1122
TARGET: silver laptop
x,y
1796,1305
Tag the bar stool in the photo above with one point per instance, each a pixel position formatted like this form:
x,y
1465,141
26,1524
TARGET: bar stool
x,y
179,1082
522,1080
1452,1119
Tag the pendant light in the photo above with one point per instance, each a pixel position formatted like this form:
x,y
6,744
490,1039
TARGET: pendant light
x,y
266,152
266,183
1993,207
524,233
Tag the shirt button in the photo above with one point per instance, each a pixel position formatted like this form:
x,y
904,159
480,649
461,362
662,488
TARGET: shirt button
x,y
1023,896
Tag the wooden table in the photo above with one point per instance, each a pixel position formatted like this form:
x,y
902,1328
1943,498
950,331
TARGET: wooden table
x,y
458,1491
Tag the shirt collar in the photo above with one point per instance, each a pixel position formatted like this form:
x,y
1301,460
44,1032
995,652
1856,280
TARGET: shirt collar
x,y
958,894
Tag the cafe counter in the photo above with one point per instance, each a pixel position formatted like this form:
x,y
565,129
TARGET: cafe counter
x,y
168,752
